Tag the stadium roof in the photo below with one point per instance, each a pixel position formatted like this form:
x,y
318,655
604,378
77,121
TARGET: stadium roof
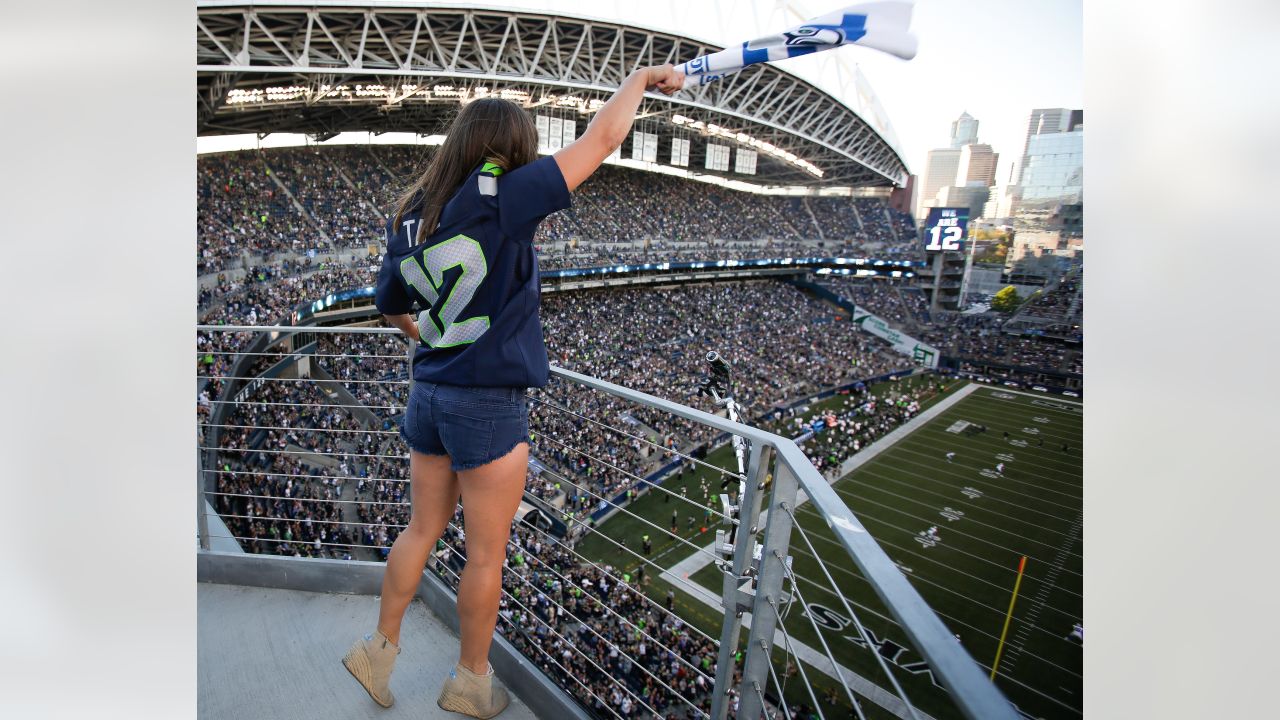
x,y
325,67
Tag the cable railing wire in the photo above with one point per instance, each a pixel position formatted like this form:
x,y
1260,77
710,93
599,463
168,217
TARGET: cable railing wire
x,y
308,452
535,645
308,405
592,630
304,379
862,633
786,640
623,618
660,446
300,429
822,639
285,329
283,355
623,509
615,578
268,473
642,482
301,499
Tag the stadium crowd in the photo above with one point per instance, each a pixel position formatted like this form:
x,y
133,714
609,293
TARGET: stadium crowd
x,y
975,338
860,419
789,345
297,200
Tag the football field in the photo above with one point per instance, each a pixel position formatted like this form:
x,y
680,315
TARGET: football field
x,y
986,517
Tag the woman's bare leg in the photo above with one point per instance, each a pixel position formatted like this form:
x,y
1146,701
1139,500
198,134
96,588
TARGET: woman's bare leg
x,y
434,497
490,495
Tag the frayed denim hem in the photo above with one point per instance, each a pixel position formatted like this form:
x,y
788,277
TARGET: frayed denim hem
x,y
459,467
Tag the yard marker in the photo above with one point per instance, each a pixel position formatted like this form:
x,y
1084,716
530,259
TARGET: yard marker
x,y
1017,584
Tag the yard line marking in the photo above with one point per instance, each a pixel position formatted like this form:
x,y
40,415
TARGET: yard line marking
x,y
990,487
862,516
919,555
1064,416
977,467
953,531
1032,456
949,568
985,494
1033,396
1039,602
971,504
821,663
1003,414
986,485
827,592
952,528
996,444
970,600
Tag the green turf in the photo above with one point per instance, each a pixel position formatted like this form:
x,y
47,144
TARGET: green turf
x,y
967,578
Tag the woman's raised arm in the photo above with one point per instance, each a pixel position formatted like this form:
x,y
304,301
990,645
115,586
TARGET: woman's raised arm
x,y
612,123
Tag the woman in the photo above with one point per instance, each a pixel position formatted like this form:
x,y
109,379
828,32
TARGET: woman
x,y
460,247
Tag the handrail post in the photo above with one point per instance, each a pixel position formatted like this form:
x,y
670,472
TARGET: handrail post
x,y
202,514
734,602
764,618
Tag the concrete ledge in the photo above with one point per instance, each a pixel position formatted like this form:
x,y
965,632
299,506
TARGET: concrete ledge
x,y
357,577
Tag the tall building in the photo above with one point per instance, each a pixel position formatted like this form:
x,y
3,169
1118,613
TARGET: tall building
x,y
1047,202
939,172
964,165
977,166
1051,171
964,131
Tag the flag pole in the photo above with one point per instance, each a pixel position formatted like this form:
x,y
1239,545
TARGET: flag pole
x,y
1022,566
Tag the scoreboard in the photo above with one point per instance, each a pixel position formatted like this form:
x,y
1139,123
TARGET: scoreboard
x,y
946,229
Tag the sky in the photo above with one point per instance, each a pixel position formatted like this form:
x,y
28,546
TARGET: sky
x,y
995,59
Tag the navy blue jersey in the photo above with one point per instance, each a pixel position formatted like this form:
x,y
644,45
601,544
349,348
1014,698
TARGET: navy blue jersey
x,y
475,279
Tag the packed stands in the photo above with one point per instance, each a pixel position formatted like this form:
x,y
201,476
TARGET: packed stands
x,y
318,199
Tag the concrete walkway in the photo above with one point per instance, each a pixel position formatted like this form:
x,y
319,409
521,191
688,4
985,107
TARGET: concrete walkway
x,y
277,655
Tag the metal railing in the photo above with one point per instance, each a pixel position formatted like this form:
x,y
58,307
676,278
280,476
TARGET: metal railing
x,y
287,411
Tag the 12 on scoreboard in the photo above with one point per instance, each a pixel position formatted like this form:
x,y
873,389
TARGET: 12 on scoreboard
x,y
946,229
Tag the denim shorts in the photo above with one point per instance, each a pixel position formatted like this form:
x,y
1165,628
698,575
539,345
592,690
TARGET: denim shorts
x,y
472,425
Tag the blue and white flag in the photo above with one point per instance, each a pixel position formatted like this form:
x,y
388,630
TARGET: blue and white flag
x,y
881,25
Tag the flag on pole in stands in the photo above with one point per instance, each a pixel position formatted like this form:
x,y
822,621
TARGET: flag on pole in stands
x,y
881,25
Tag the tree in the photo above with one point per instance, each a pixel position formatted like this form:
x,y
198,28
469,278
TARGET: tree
x,y
1007,300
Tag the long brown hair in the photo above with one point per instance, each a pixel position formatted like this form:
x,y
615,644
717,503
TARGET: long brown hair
x,y
491,129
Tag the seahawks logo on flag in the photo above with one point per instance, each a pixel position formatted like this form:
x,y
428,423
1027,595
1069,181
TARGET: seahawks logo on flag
x,y
810,35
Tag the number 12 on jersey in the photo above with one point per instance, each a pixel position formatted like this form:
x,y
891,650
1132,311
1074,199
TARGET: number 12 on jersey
x,y
438,325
